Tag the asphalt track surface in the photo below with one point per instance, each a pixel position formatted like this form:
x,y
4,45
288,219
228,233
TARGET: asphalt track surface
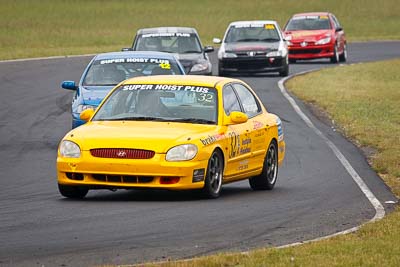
x,y
314,195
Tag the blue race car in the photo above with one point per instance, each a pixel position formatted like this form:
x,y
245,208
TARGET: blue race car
x,y
107,70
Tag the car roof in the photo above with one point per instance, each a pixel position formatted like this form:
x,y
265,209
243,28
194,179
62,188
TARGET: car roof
x,y
196,80
245,22
312,14
167,30
135,54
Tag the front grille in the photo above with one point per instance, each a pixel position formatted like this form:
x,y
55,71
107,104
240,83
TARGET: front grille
x,y
129,179
247,53
122,153
305,51
251,63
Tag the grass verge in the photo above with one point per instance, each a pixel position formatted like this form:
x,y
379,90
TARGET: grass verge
x,y
363,100
64,27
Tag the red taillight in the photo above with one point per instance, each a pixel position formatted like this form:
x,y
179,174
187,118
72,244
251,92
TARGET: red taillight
x,y
169,180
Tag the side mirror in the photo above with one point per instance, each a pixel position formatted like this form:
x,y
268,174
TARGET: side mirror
x,y
237,117
216,40
339,29
127,49
86,114
208,48
70,85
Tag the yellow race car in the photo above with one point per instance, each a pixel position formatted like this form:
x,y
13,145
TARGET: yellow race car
x,y
173,132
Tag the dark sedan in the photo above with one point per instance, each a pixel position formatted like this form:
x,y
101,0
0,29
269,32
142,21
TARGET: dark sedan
x,y
184,42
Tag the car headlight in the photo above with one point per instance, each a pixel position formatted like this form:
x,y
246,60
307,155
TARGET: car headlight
x,y
228,55
181,153
69,149
277,53
323,41
199,66
81,108
223,54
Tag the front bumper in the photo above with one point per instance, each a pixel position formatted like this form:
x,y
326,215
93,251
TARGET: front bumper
x,y
252,64
77,122
311,51
95,172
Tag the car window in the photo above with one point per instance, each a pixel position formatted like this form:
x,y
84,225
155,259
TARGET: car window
x,y
113,71
308,23
336,22
256,32
250,104
168,42
231,102
164,102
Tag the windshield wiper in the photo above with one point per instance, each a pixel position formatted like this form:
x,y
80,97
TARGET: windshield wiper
x,y
135,119
248,40
194,120
270,40
190,51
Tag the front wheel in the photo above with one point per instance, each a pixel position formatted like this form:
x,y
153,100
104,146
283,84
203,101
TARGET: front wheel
x,y
343,56
267,179
335,57
75,192
213,180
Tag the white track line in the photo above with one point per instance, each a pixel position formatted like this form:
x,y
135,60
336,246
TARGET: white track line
x,y
380,211
44,58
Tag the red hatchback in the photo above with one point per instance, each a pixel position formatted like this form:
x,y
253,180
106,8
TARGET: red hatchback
x,y
315,35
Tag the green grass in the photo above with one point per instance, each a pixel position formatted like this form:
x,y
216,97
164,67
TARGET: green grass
x,y
363,100
55,27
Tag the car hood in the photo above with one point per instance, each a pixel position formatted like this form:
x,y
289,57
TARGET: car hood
x,y
148,135
308,36
93,95
251,46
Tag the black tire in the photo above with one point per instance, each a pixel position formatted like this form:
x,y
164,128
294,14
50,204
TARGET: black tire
x,y
292,60
213,181
335,57
75,192
267,179
285,71
343,56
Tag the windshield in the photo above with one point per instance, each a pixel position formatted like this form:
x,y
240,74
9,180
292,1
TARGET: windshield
x,y
113,71
168,42
252,33
308,23
160,102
